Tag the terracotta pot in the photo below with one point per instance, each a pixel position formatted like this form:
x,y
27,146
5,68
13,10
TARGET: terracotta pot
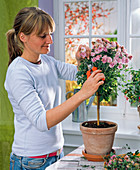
x,y
98,141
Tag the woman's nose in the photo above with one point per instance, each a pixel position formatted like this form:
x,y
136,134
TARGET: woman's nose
x,y
49,39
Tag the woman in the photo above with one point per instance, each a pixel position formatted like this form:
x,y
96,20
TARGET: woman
x,y
34,91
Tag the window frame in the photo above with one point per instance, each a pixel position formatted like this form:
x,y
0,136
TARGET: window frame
x,y
123,107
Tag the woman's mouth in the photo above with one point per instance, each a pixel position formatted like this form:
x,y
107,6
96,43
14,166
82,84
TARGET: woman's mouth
x,y
46,46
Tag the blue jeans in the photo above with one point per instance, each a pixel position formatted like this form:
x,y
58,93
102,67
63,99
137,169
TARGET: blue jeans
x,y
26,163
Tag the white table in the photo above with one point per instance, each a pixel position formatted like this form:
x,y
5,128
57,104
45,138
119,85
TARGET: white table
x,y
75,161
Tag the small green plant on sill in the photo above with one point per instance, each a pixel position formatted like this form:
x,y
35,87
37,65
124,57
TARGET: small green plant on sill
x,y
83,157
88,166
85,166
131,88
126,147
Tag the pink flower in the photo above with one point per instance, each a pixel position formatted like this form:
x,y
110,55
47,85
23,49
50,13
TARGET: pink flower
x,y
110,162
115,61
96,51
111,65
120,66
105,49
113,156
126,157
109,59
117,55
98,57
113,44
92,54
118,59
83,55
83,49
93,60
104,59
100,49
108,45
125,60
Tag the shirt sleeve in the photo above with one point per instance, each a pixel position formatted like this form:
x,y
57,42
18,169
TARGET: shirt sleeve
x,y
65,71
21,86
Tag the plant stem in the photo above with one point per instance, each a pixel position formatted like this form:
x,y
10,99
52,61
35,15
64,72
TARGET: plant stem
x,y
98,109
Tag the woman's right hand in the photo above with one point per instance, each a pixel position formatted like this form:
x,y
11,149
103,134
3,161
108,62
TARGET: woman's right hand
x,y
92,84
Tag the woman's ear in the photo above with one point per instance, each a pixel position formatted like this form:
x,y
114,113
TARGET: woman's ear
x,y
22,37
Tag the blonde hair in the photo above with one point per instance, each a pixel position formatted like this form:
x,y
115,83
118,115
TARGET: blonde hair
x,y
27,20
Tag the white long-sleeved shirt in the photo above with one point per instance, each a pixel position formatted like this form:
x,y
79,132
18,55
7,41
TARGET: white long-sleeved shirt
x,y
32,90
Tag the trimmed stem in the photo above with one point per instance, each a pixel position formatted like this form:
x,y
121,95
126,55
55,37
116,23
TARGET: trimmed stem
x,y
98,109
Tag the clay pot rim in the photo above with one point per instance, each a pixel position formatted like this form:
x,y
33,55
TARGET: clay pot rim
x,y
110,122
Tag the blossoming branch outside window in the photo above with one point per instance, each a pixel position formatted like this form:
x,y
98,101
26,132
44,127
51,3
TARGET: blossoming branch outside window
x,y
83,21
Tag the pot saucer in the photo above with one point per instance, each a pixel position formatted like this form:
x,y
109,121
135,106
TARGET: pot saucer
x,y
94,158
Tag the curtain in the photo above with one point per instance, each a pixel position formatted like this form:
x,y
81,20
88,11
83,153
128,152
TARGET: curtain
x,y
8,11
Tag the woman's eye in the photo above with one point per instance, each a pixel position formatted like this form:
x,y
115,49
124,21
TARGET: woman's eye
x,y
43,36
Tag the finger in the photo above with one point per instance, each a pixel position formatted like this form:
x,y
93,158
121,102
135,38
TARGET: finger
x,y
100,83
97,75
78,57
95,72
88,52
88,49
80,46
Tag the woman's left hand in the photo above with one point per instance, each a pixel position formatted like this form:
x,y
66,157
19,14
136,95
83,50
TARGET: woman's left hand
x,y
82,52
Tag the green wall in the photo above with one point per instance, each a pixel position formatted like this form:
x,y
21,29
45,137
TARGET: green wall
x,y
8,11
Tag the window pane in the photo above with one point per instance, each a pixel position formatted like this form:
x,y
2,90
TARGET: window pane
x,y
135,51
77,18
104,17
135,17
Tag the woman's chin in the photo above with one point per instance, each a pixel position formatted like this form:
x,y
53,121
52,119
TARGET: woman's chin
x,y
45,51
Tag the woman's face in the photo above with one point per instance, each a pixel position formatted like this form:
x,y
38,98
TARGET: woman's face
x,y
38,44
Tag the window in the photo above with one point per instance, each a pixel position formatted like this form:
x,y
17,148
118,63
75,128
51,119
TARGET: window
x,y
82,21
133,38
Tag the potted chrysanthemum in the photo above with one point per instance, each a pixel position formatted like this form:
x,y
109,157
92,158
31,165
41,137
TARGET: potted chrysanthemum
x,y
112,59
